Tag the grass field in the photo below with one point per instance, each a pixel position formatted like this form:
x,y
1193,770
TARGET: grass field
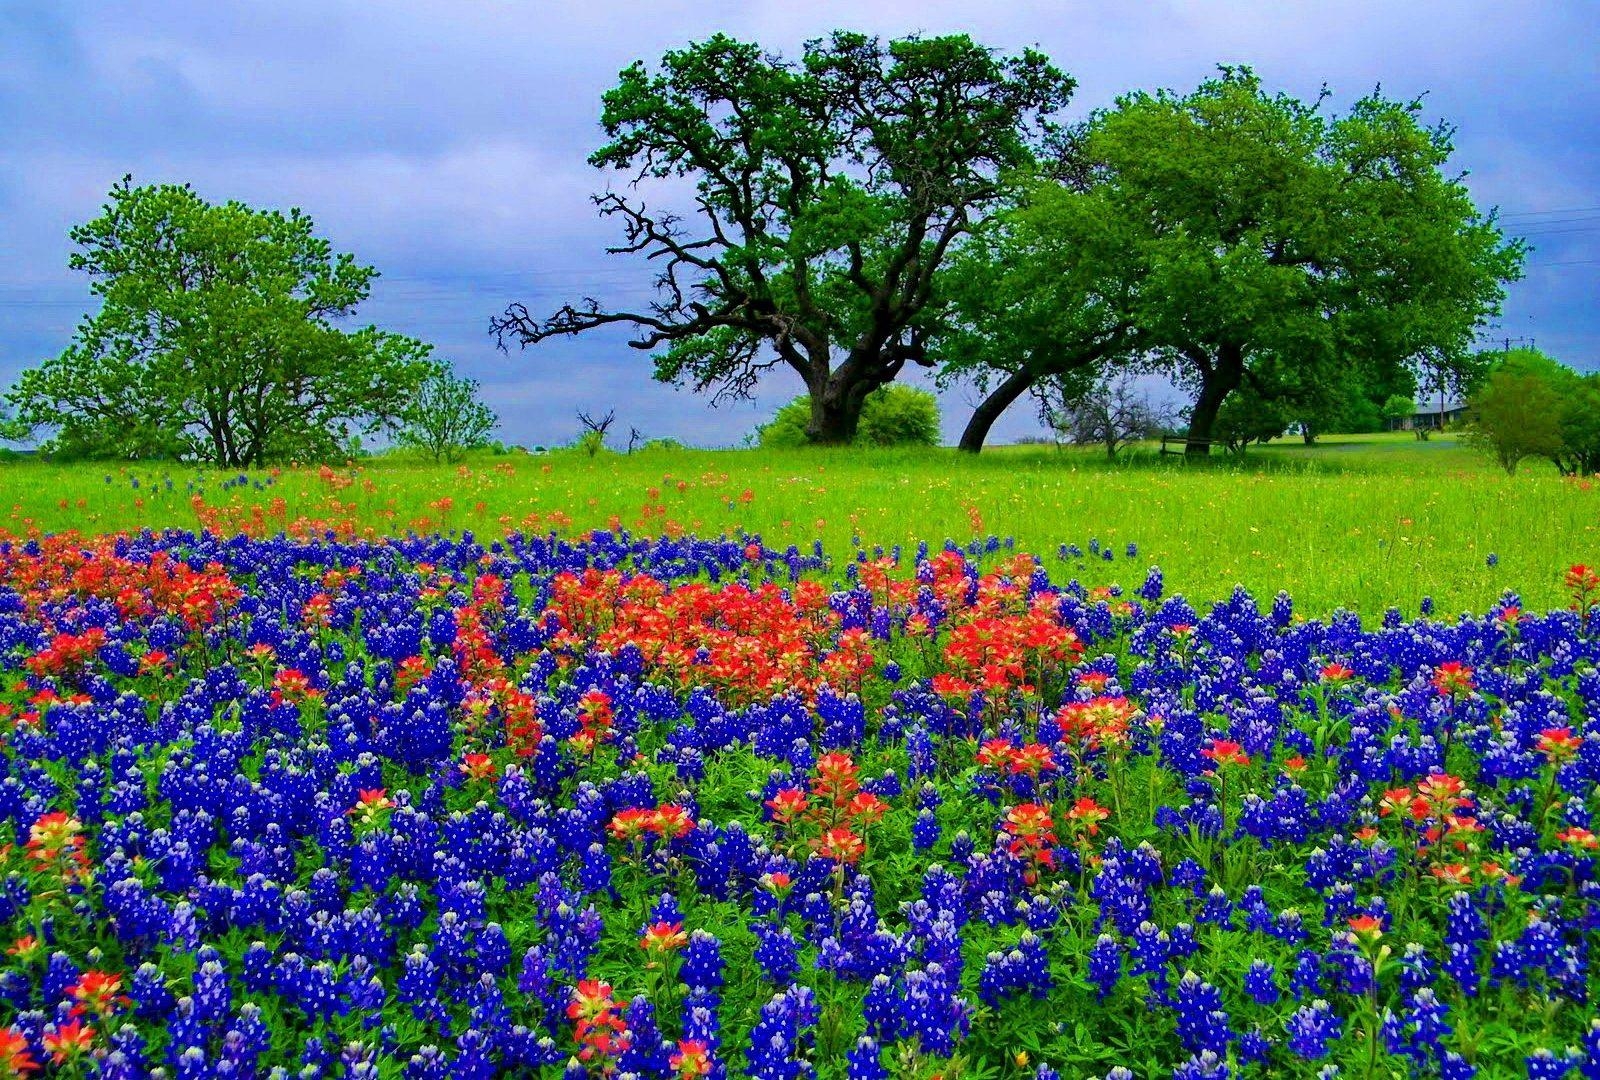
x,y
1362,522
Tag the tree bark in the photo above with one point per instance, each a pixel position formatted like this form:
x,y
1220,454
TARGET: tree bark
x,y
835,416
1217,381
989,409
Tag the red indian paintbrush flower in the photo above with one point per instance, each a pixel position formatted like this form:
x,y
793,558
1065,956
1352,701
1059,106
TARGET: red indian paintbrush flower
x,y
67,1042
16,1059
1226,752
1089,814
841,845
1578,836
1368,927
1453,678
1030,822
787,804
478,766
672,821
692,1059
663,937
1558,744
98,993
631,824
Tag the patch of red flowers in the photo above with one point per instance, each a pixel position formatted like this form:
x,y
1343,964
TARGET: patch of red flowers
x,y
71,567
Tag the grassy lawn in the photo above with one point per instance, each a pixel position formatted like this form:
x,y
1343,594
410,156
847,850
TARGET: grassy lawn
x,y
1362,522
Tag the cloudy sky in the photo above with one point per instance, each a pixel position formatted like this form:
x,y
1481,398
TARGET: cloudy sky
x,y
444,142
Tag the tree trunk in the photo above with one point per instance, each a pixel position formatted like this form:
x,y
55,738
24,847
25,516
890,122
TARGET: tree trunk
x,y
1216,383
990,408
835,415
1203,417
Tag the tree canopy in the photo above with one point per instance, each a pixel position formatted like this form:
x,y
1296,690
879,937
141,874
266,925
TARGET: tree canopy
x,y
1263,242
216,338
1527,404
1043,294
445,418
827,194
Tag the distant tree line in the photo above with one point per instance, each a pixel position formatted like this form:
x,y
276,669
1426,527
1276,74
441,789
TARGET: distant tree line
x,y
868,208
875,206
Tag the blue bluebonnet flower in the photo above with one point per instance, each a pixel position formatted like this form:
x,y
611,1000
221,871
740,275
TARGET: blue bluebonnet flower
x,y
1311,1029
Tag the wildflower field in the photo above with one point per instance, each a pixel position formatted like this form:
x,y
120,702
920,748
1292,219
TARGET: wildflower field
x,y
1359,522
704,786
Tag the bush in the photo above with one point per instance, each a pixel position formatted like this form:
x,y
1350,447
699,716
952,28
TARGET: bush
x,y
897,415
1246,418
893,415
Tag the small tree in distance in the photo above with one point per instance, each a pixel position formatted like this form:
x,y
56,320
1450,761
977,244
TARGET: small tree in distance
x,y
446,419
1397,409
1516,415
1113,413
593,439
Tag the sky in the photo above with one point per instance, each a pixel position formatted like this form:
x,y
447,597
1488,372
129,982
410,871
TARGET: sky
x,y
445,143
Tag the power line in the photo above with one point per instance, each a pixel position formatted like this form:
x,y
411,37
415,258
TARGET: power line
x,y
1545,213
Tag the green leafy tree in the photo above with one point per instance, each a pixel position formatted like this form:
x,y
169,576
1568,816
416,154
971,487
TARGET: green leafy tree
x,y
1270,245
1040,299
1397,409
1246,417
1516,414
827,195
215,338
11,428
446,418
894,415
1521,382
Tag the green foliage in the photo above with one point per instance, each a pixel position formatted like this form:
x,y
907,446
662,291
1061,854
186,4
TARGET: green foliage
x,y
828,193
1247,417
1267,244
787,428
445,418
215,339
899,415
1398,408
894,415
1517,415
11,428
1042,294
1532,405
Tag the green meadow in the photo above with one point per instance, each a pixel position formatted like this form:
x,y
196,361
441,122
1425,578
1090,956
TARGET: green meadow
x,y
1359,522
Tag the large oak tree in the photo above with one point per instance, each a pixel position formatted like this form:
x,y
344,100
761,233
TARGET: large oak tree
x,y
1260,242
826,195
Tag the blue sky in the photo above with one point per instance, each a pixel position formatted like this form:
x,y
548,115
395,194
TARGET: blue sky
x,y
444,142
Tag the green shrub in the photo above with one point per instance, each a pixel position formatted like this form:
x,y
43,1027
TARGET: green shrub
x,y
897,415
893,415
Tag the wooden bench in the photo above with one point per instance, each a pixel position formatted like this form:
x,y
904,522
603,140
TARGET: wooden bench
x,y
1179,444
